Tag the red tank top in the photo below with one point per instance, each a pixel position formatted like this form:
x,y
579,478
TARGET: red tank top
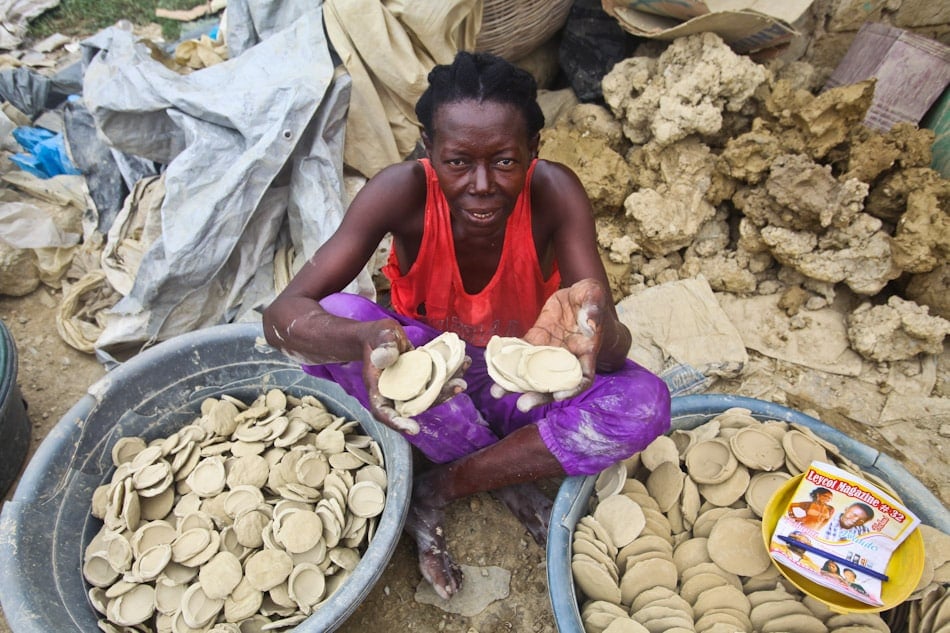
x,y
432,290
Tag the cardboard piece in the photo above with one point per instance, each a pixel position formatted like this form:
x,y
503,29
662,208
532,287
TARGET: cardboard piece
x,y
681,321
912,72
748,26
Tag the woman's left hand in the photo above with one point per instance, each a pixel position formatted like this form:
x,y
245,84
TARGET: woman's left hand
x,y
571,318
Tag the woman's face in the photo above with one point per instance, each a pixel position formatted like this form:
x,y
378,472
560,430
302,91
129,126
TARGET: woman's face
x,y
823,497
481,154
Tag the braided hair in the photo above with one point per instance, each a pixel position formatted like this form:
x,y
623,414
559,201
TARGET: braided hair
x,y
480,77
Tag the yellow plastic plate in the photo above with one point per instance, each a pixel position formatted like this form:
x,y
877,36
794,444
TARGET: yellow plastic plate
x,y
904,569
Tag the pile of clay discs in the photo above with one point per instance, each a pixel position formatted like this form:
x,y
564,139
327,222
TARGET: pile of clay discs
x,y
931,613
673,542
416,379
247,519
518,366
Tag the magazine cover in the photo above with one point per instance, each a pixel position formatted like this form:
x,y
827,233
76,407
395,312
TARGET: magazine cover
x,y
839,530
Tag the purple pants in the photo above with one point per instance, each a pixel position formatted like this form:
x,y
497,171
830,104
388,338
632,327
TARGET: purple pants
x,y
618,415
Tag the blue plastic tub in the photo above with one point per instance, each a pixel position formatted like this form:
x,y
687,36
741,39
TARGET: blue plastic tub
x,y
45,528
15,427
573,497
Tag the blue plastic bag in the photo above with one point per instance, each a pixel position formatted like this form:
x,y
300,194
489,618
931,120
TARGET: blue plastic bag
x,y
46,155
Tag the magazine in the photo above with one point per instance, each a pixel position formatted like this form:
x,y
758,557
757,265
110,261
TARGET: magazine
x,y
839,530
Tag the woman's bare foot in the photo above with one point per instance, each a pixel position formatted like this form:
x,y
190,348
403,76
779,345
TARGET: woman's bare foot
x,y
531,506
425,524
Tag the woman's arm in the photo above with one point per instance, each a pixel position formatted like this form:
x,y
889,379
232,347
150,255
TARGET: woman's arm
x,y
296,324
569,226
391,202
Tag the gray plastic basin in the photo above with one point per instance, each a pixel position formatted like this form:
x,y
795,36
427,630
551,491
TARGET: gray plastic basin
x,y
687,412
15,427
45,528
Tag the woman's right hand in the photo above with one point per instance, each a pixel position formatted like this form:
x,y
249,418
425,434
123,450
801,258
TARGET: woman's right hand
x,y
383,342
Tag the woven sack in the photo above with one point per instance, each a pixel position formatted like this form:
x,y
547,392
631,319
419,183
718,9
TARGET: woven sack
x,y
512,29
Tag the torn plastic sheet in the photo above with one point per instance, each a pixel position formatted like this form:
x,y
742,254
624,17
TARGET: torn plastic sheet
x,y
32,93
15,16
251,21
229,134
24,225
110,174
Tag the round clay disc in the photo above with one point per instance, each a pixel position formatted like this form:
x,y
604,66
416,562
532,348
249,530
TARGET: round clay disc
x,y
761,488
600,533
407,377
662,449
690,553
643,575
431,390
594,581
502,355
662,618
735,544
757,449
729,491
306,585
711,568
647,543
768,611
451,348
802,450
735,418
622,517
663,597
665,484
710,462
706,519
126,448
867,620
588,548
805,623
366,499
610,481
721,596
625,625
691,588
690,502
135,606
549,369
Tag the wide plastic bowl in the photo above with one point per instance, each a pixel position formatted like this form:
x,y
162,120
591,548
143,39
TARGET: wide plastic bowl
x,y
45,528
15,428
687,412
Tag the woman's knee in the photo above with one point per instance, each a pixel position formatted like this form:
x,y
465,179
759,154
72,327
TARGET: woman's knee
x,y
633,413
351,306
654,403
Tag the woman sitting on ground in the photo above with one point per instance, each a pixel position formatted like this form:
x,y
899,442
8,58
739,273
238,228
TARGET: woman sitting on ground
x,y
487,240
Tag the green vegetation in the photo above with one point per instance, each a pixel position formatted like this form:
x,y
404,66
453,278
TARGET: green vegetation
x,y
85,17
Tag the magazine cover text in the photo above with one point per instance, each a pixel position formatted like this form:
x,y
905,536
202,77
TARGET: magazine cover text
x,y
839,530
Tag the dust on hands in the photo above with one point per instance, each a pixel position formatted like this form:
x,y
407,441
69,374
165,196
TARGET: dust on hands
x,y
571,318
415,379
384,343
456,383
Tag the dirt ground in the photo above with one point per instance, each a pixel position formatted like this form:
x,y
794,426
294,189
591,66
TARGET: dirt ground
x,y
52,377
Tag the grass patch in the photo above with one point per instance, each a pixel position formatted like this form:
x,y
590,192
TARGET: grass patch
x,y
79,18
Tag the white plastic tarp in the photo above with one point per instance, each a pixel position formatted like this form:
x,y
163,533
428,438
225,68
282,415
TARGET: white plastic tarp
x,y
15,15
388,48
250,145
